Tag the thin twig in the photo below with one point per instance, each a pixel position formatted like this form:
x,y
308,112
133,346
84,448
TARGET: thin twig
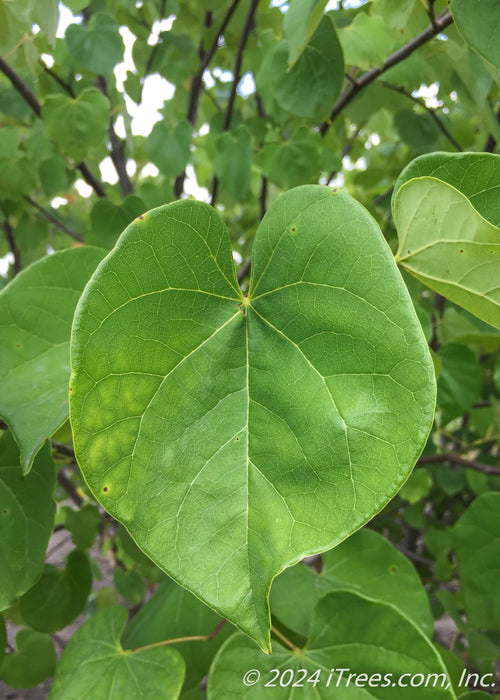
x,y
283,639
152,55
19,84
197,83
117,151
244,270
247,25
11,240
431,112
351,90
66,484
65,86
178,640
453,458
54,220
417,558
65,450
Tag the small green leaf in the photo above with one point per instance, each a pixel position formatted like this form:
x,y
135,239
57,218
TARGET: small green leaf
x,y
479,24
294,162
77,124
36,311
366,563
169,148
171,613
233,162
46,15
309,88
446,244
130,585
371,639
210,423
94,665
477,545
367,41
108,220
96,46
59,596
32,662
417,487
26,519
460,381
14,22
82,523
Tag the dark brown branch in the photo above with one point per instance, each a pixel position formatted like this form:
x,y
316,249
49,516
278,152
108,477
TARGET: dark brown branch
x,y
247,25
491,142
9,234
21,87
453,458
263,197
66,484
65,86
413,556
117,152
244,270
197,81
30,98
54,220
63,449
351,90
431,112
152,55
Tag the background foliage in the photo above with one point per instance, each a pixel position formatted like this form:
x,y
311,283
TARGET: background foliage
x,y
254,99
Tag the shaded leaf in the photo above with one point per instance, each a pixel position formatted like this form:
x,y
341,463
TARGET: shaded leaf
x,y
36,311
59,596
300,23
169,148
347,631
479,24
33,661
96,46
460,381
26,519
233,162
77,124
366,563
477,546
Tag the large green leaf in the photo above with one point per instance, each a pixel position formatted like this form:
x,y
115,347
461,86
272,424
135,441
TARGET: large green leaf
x,y
310,86
232,435
366,562
26,519
348,634
96,46
77,124
59,596
479,24
448,245
477,545
36,311
94,666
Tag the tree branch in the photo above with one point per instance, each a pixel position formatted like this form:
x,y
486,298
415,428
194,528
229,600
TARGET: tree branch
x,y
117,152
197,81
66,484
9,234
351,90
431,112
247,25
457,459
54,220
65,86
19,84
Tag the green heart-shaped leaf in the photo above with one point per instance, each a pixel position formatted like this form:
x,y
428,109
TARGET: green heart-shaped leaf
x,y
95,666
33,661
98,45
77,124
233,435
448,229
348,634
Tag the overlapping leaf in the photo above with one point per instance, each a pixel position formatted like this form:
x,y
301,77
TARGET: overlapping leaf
x,y
348,631
479,24
94,665
233,435
447,218
36,311
26,519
